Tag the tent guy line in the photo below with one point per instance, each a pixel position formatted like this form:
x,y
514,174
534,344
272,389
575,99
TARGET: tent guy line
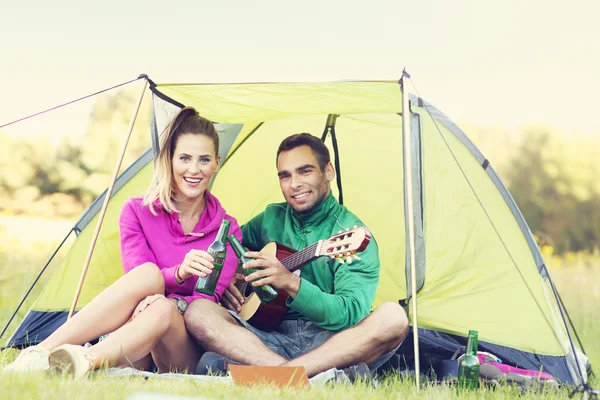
x,y
142,76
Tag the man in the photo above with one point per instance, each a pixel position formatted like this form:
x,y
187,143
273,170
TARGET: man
x,y
329,323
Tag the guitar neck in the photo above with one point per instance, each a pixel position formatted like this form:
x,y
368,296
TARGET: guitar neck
x,y
301,258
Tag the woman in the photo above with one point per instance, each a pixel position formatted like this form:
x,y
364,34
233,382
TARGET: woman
x,y
163,241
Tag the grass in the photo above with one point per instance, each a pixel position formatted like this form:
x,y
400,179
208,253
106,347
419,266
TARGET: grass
x,y
22,255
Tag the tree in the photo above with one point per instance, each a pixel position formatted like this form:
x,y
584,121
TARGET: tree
x,y
36,177
544,188
103,140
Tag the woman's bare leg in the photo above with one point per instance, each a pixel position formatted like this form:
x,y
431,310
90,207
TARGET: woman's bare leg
x,y
158,329
177,350
111,309
143,364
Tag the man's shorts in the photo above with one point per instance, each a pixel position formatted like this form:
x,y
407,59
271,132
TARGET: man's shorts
x,y
294,338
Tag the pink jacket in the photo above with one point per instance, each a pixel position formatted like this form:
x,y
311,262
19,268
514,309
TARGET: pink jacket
x,y
159,239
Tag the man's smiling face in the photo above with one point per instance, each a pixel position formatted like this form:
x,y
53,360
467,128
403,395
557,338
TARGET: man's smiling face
x,y
303,184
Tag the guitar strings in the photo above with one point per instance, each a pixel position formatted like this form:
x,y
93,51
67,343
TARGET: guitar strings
x,y
300,256
308,253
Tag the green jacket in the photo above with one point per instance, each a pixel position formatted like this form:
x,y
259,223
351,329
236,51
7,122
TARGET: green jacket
x,y
332,295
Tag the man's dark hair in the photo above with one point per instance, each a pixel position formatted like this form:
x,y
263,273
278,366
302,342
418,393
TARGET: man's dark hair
x,y
317,146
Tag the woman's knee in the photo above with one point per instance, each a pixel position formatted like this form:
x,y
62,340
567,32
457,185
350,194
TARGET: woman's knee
x,y
149,278
163,311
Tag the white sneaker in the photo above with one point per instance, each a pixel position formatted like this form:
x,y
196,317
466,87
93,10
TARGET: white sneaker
x,y
30,359
76,361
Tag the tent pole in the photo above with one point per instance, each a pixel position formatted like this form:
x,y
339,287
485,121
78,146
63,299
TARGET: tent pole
x,y
410,220
106,200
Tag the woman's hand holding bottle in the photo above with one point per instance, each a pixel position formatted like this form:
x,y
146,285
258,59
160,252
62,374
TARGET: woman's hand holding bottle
x,y
196,262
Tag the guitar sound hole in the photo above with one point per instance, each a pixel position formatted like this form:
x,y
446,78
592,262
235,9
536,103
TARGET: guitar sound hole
x,y
248,290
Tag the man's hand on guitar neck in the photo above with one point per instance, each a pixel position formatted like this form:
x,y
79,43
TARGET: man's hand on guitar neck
x,y
271,272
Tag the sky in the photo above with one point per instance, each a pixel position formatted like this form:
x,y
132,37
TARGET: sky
x,y
515,62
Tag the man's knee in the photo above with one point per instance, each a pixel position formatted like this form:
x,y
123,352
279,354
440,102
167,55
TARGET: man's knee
x,y
391,322
202,317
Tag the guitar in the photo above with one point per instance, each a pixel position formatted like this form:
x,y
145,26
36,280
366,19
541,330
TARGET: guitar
x,y
340,247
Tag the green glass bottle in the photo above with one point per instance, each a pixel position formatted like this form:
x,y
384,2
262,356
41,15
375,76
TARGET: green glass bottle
x,y
217,250
265,293
468,368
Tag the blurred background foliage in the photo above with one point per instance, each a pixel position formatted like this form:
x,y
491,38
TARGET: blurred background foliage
x,y
37,178
554,178
552,175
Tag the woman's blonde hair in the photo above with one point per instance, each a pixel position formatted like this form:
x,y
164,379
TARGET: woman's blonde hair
x,y
162,188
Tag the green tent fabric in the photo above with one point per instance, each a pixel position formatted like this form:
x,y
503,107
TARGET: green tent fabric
x,y
478,266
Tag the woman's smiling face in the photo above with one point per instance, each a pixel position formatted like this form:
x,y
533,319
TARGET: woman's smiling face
x,y
194,163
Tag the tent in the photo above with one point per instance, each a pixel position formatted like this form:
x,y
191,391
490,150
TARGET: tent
x,y
477,265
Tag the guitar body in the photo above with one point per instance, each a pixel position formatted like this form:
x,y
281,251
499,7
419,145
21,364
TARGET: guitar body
x,y
341,247
265,316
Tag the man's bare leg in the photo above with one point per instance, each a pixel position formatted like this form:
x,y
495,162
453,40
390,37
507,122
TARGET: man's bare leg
x,y
111,309
216,330
380,332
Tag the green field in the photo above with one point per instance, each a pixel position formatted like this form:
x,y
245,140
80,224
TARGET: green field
x,y
26,244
